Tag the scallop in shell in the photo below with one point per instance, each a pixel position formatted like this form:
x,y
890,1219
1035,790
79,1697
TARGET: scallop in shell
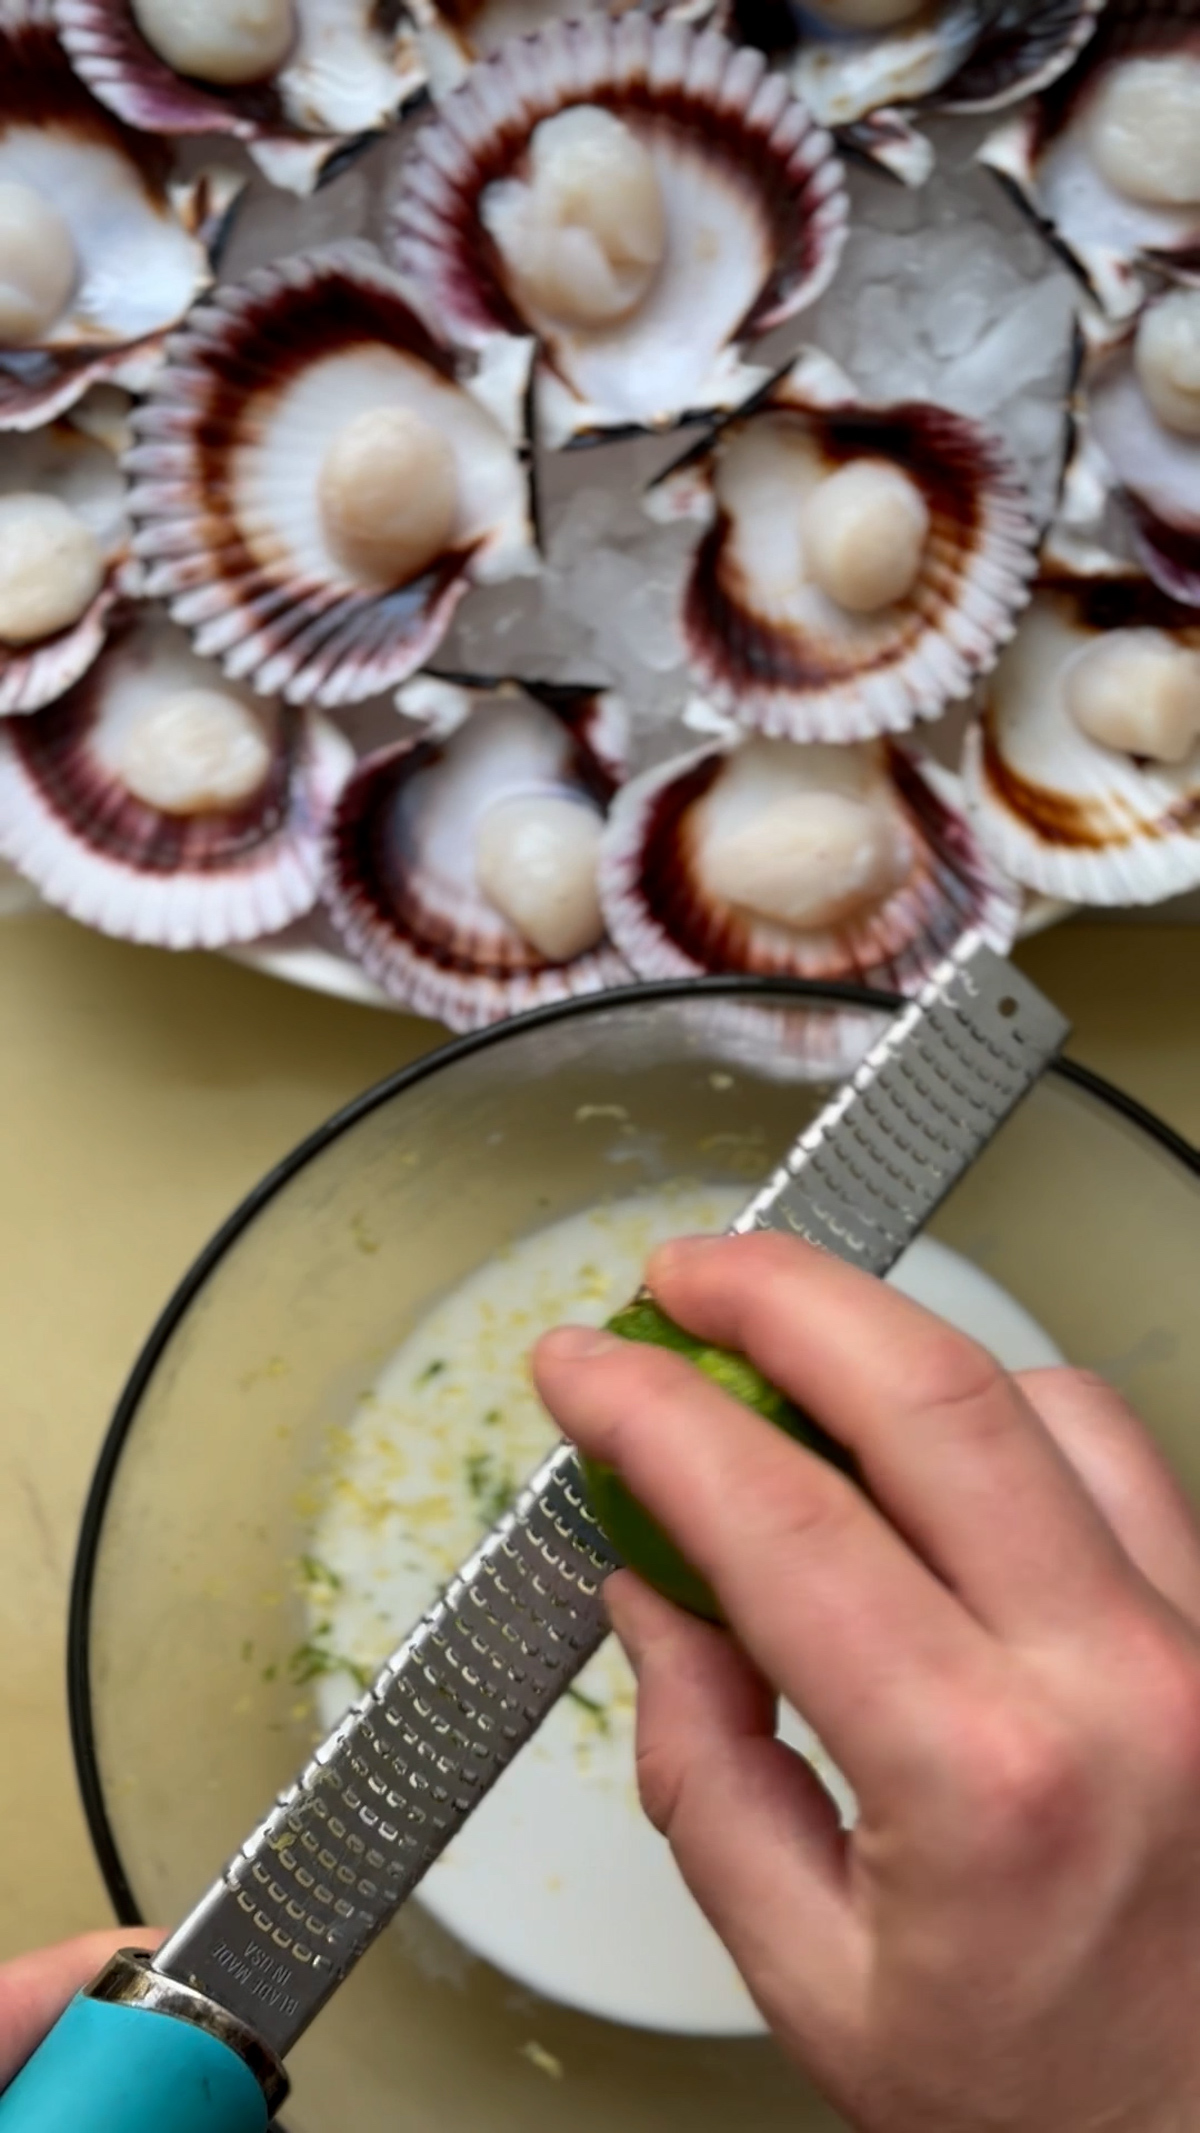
x,y
158,804
1083,773
99,251
792,860
863,66
63,550
1137,437
860,566
1109,158
318,480
642,196
296,80
462,862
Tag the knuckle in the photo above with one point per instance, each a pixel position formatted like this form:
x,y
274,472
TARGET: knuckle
x,y
1088,1383
1070,1388
640,1380
951,1376
1168,1702
654,1373
760,1271
769,1251
1027,1794
814,1510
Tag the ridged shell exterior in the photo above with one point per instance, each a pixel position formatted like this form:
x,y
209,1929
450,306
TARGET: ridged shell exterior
x,y
454,34
38,389
429,957
960,56
1121,453
667,925
271,621
141,267
859,677
712,117
1060,813
804,1046
350,75
203,881
1024,49
33,675
1115,248
1171,554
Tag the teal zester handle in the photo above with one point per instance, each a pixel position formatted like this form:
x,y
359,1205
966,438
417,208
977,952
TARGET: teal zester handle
x,y
111,2068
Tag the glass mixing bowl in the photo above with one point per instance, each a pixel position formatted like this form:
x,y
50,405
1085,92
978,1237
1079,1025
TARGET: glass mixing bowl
x,y
1083,1208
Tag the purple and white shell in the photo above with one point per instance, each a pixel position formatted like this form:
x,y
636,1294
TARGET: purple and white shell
x,y
742,207
64,539
350,69
772,857
461,862
158,805
1107,160
870,69
324,363
860,566
1082,774
104,250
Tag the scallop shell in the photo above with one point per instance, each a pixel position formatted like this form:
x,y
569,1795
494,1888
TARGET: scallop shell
x,y
143,242
355,66
1121,453
754,196
401,881
805,669
1023,49
453,34
230,447
1060,813
960,55
1115,245
95,851
65,461
804,1046
668,924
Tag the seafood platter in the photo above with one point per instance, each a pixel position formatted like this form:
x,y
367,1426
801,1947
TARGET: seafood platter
x,y
498,498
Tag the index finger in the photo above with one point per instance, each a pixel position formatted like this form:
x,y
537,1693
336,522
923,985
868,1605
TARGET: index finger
x,y
824,1595
946,1442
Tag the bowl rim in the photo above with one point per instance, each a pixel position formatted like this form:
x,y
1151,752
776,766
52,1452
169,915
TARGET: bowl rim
x,y
799,991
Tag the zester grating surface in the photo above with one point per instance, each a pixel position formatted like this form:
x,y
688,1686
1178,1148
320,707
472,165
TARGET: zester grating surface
x,y
385,1794
925,1102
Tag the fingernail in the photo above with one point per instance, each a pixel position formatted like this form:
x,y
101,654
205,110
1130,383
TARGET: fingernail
x,y
578,1344
680,1252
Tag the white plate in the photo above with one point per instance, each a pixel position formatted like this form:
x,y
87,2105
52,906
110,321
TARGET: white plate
x,y
302,957
321,969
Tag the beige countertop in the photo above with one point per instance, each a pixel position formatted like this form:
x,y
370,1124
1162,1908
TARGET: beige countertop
x,y
140,1096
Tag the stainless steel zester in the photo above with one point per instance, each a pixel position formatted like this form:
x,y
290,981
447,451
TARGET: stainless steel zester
x,y
245,1974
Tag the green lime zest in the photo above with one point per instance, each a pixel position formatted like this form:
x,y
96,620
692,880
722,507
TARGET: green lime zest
x,y
638,1538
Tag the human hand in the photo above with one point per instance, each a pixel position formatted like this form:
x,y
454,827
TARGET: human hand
x,y
34,1989
999,1647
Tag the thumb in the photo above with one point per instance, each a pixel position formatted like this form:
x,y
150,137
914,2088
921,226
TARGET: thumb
x,y
34,1989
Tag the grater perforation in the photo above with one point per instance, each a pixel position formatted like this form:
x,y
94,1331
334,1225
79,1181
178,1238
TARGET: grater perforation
x,y
383,1796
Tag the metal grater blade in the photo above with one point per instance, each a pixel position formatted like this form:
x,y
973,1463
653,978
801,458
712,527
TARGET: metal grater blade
x,y
384,1795
871,1170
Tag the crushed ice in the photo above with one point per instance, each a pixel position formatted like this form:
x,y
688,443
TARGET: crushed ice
x,y
946,293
